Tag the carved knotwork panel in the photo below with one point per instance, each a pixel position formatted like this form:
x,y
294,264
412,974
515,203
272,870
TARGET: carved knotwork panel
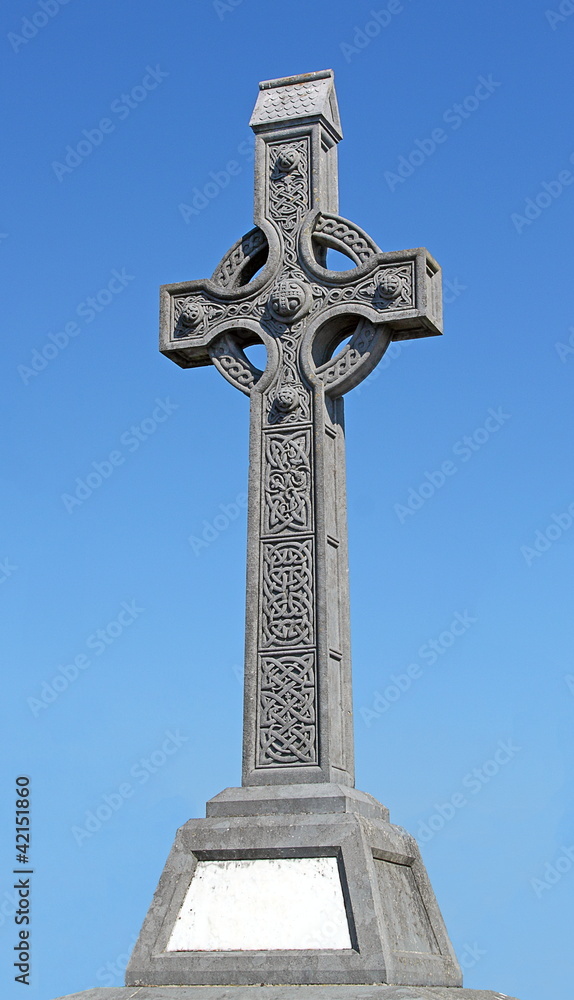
x,y
288,400
287,710
391,286
287,617
193,314
289,197
287,487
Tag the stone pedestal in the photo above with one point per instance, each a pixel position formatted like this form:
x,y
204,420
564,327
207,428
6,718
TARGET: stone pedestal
x,y
300,892
297,884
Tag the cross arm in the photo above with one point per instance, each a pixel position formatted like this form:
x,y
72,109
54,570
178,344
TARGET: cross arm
x,y
211,321
202,323
402,288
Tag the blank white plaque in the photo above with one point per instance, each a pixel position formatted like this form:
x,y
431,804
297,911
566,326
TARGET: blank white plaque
x,y
264,904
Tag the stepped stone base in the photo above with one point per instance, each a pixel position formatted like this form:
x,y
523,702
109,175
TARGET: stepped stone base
x,y
304,885
297,884
286,993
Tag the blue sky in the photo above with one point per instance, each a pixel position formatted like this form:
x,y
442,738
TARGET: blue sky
x,y
143,630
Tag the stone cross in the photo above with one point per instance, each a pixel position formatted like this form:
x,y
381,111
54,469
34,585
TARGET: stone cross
x,y
324,332
297,878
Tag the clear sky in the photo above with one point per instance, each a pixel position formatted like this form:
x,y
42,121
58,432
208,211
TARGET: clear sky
x,y
121,635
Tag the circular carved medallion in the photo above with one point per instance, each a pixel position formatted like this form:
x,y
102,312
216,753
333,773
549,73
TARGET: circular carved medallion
x,y
289,300
287,399
192,315
390,285
287,160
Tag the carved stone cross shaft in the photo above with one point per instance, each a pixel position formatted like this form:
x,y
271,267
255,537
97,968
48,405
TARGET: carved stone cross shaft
x,y
273,287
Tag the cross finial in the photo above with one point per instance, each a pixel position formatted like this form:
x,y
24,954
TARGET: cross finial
x,y
291,99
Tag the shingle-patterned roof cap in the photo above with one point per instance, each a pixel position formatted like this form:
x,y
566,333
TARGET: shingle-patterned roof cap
x,y
307,96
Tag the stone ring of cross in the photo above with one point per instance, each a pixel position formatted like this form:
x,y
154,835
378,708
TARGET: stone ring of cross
x,y
273,287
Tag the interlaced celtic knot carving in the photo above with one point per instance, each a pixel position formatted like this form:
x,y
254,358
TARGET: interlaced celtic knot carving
x,y
391,288
289,189
287,698
289,379
288,482
288,616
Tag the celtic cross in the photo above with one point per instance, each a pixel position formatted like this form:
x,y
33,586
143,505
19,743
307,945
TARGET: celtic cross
x,y
324,332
